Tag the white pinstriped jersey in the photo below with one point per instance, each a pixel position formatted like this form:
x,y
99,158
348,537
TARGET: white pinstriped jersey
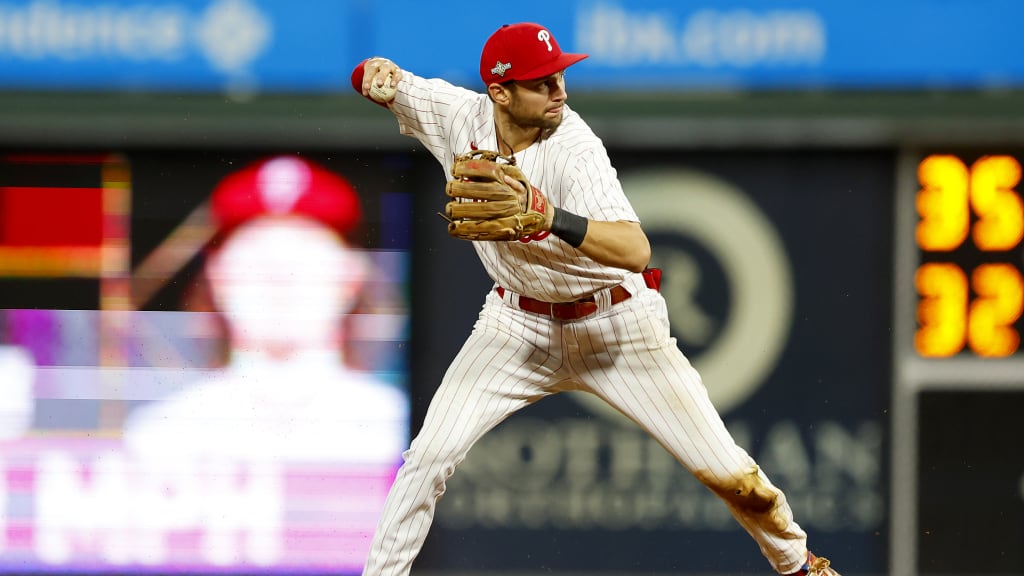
x,y
570,166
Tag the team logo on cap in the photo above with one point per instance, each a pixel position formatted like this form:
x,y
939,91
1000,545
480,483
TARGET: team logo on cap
x,y
500,68
545,37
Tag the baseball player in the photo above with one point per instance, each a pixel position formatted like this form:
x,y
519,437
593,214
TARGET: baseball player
x,y
573,306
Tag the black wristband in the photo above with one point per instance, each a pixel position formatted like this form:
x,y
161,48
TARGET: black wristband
x,y
569,227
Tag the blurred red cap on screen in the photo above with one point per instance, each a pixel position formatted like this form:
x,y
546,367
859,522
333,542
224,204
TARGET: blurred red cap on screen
x,y
285,186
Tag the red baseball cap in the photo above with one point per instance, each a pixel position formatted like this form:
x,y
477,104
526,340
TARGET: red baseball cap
x,y
285,186
523,51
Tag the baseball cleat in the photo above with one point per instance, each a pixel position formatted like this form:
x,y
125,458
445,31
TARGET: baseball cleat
x,y
816,566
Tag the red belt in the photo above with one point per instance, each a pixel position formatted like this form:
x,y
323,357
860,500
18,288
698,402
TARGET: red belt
x,y
567,310
584,306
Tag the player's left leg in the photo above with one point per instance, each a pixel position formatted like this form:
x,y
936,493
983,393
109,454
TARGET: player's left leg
x,y
629,359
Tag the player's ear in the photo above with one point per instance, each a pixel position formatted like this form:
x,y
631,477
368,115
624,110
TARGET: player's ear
x,y
499,93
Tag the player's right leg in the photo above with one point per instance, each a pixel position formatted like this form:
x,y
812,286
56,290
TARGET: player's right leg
x,y
496,373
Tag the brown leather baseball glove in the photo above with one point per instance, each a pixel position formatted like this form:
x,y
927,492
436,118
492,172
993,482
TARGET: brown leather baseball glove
x,y
484,206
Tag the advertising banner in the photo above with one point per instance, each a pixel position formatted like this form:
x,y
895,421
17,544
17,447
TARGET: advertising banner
x,y
247,46
776,273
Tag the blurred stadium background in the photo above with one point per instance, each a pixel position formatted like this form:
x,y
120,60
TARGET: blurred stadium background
x,y
833,189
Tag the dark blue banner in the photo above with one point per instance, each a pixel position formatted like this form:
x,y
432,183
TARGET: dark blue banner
x,y
777,281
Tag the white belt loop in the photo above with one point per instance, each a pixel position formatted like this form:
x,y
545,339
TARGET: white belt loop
x,y
511,298
603,299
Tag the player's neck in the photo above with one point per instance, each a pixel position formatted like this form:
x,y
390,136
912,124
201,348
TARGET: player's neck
x,y
513,138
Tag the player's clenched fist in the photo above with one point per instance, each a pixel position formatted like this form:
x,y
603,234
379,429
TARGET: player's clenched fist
x,y
380,79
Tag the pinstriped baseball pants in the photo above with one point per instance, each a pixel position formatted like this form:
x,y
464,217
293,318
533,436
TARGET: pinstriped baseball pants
x,y
623,354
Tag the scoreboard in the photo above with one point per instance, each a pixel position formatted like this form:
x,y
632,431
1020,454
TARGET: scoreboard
x,y
969,282
958,362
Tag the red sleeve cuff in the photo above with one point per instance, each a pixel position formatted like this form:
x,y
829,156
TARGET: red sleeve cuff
x,y
357,77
